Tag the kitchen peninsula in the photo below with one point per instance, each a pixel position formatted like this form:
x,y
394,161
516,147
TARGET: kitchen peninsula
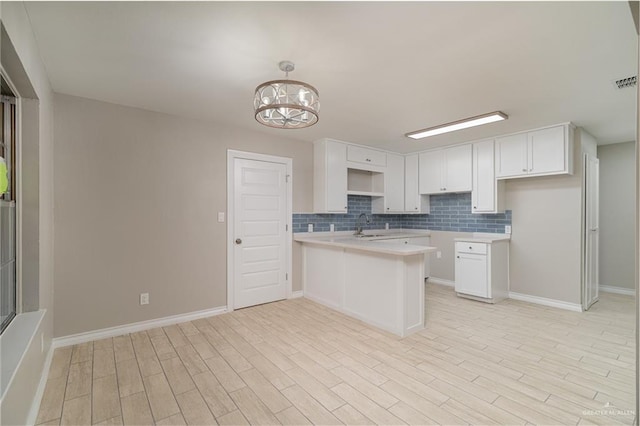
x,y
377,278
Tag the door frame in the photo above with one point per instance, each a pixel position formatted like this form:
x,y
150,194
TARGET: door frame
x,y
232,155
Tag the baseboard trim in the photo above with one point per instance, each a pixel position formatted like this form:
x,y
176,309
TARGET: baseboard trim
x,y
37,398
296,294
441,281
546,302
617,290
104,333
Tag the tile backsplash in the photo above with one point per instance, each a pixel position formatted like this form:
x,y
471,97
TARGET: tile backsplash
x,y
449,212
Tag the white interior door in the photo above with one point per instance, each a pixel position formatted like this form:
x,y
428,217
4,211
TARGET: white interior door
x,y
592,230
260,232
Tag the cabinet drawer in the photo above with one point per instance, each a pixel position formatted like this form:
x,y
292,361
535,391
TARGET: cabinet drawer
x,y
367,156
468,247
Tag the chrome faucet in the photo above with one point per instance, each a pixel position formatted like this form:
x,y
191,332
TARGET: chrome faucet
x,y
359,225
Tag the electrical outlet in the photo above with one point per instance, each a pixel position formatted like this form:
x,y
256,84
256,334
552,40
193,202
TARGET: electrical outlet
x,y
332,227
507,229
438,255
144,298
220,217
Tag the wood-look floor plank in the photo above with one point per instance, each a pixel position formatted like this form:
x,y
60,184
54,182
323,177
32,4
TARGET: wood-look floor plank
x,y
309,407
174,420
194,408
123,348
297,362
129,378
77,411
316,389
214,394
82,352
235,418
267,393
291,416
177,375
350,416
163,403
79,379
136,410
105,401
363,404
60,362
252,407
226,375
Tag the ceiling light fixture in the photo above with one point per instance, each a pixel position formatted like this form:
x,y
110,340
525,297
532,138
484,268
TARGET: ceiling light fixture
x,y
459,125
286,104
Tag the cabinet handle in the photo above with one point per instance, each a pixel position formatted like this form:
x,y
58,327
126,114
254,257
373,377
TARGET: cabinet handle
x,y
470,248
530,170
458,257
368,159
416,208
524,170
387,208
475,207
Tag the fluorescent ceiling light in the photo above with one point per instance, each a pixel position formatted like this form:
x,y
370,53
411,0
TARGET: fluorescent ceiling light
x,y
459,125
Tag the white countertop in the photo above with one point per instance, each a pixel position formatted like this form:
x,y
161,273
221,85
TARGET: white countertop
x,y
480,237
383,242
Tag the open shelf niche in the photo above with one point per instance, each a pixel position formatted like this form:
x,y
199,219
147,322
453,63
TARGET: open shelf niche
x,y
364,182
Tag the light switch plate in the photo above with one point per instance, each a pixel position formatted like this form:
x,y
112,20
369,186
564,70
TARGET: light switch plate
x,y
220,217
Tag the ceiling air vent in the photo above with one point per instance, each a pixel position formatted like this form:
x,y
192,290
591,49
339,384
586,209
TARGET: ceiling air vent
x,y
626,82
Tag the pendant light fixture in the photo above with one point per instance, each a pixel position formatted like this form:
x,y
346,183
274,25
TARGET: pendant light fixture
x,y
286,104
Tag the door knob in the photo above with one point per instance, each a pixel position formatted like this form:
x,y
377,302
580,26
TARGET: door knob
x,y
238,241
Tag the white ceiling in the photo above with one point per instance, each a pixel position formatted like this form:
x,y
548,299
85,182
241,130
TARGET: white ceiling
x,y
382,69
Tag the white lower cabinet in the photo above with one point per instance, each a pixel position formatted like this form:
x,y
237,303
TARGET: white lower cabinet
x,y
482,270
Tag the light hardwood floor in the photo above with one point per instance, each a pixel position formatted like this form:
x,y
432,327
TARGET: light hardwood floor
x,y
296,362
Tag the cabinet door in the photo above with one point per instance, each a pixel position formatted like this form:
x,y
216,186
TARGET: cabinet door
x,y
430,171
394,184
511,156
471,274
411,194
336,177
547,151
366,156
457,169
483,194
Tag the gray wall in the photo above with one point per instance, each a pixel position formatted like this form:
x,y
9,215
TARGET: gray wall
x,y
23,64
617,214
136,196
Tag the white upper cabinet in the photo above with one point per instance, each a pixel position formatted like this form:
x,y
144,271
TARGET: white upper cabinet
x,y
329,177
394,184
393,199
536,153
446,170
458,169
511,155
430,172
548,151
486,192
368,157
414,202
